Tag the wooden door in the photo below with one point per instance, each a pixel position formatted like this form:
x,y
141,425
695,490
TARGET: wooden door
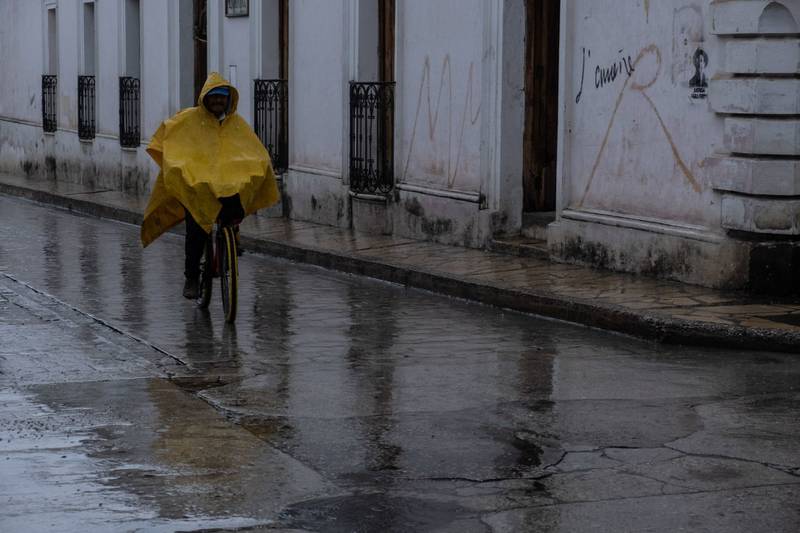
x,y
283,39
386,40
200,26
541,104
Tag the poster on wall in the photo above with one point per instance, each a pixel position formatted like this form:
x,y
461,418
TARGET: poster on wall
x,y
699,82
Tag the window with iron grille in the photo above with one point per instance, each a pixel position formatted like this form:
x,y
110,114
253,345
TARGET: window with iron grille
x,y
129,132
49,94
86,107
271,120
371,137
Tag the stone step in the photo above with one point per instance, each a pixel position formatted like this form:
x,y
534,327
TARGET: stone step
x,y
520,246
534,225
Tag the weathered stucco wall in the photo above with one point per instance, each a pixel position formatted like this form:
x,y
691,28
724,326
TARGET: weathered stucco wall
x,y
101,162
669,161
319,40
439,93
316,83
23,63
638,137
155,86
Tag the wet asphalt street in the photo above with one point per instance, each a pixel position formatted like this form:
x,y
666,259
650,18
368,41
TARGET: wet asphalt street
x,y
338,403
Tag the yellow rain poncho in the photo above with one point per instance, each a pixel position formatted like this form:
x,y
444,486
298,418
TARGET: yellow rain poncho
x,y
203,159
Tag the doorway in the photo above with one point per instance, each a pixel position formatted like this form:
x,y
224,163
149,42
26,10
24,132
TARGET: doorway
x,y
200,32
540,141
386,23
283,39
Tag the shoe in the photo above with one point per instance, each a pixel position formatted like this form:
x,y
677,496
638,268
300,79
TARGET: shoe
x,y
191,289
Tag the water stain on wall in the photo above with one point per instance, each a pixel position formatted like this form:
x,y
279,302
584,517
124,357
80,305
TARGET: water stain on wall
x,y
687,36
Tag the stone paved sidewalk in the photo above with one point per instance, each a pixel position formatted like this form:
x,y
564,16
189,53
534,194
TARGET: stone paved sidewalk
x,y
656,309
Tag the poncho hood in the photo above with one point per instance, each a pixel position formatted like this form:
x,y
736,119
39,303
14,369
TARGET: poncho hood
x,y
214,81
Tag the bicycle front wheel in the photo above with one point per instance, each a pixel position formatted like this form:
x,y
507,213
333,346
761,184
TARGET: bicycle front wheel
x,y
229,272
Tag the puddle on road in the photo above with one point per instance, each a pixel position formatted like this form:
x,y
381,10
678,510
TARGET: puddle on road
x,y
134,454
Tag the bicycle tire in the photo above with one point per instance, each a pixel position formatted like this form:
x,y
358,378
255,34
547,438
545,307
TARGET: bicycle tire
x,y
229,273
206,275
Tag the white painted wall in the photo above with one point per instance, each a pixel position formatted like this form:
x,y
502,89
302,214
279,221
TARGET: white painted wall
x,y
316,83
155,80
22,60
638,145
438,93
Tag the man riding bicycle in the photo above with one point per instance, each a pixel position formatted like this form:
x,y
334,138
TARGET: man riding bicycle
x,y
213,166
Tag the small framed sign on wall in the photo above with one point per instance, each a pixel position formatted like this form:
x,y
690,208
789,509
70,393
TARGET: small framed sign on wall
x,y
237,8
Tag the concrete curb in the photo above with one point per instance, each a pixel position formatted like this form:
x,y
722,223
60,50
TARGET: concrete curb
x,y
589,313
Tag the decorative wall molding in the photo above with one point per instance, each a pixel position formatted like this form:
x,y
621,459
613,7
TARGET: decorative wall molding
x,y
328,173
762,136
763,56
759,96
464,196
647,224
755,17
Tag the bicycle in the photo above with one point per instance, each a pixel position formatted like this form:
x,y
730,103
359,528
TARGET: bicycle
x,y
220,259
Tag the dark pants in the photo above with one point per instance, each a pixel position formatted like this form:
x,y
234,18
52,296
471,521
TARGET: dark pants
x,y
196,237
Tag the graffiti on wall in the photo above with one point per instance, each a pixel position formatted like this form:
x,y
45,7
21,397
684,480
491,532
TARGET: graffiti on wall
x,y
637,88
605,74
455,132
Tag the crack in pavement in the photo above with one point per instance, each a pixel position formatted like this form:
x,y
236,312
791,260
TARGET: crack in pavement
x,y
560,501
786,469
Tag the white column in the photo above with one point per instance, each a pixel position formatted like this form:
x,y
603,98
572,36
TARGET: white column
x,y
214,51
491,81
350,72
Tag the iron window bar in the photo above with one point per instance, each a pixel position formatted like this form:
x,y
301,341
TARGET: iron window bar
x,y
271,120
129,109
49,95
86,107
371,137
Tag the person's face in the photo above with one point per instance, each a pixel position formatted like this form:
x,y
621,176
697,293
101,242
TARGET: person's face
x,y
217,103
701,62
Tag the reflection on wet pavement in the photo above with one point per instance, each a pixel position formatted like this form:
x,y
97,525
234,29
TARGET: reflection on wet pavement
x,y
127,455
370,407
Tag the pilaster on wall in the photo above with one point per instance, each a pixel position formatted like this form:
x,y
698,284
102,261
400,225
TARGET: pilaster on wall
x,y
759,97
